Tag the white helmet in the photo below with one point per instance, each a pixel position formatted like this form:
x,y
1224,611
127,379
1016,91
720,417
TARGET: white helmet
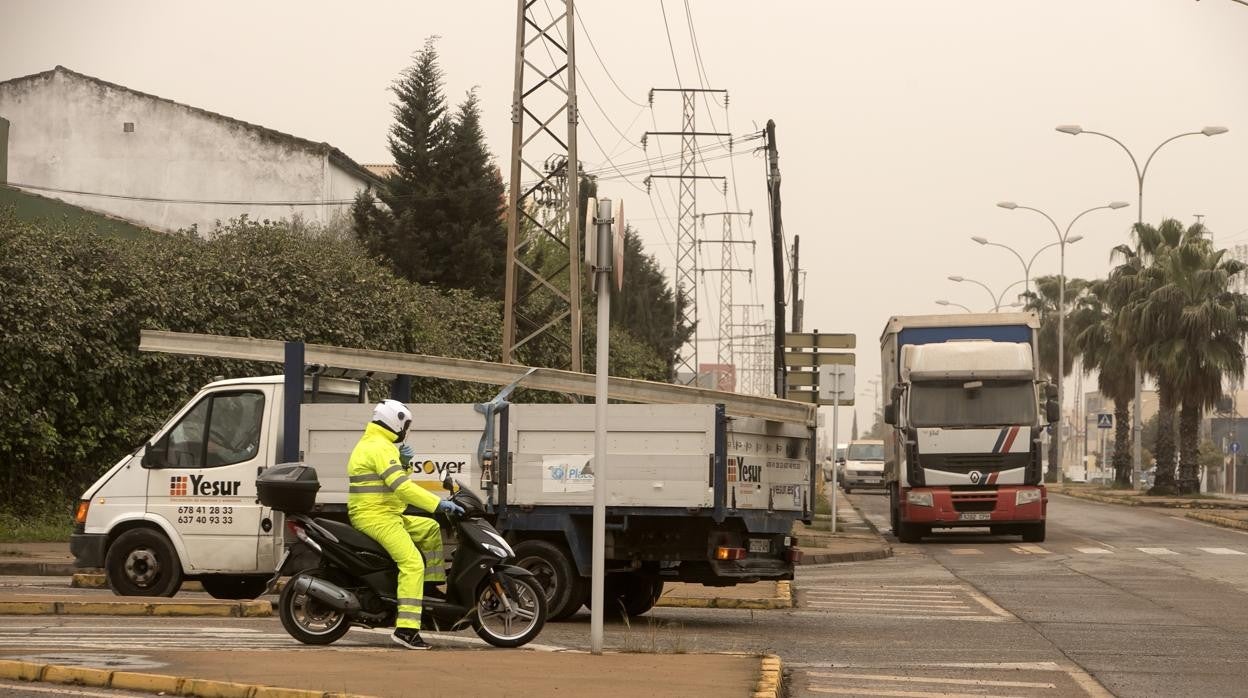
x,y
394,416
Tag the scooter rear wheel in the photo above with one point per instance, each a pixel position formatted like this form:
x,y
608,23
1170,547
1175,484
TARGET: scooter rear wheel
x,y
512,622
308,620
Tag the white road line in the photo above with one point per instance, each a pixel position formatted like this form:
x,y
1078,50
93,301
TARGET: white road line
x,y
932,595
966,551
893,610
885,600
991,666
1223,551
825,603
1033,549
929,679
988,604
901,694
1095,551
1157,551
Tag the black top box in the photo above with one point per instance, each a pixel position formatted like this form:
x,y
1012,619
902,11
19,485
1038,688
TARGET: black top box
x,y
289,487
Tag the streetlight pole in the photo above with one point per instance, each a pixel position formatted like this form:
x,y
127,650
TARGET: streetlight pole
x,y
1137,423
942,301
1063,238
996,299
1026,263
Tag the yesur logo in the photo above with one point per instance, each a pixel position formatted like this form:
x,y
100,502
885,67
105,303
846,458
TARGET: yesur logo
x,y
738,471
196,485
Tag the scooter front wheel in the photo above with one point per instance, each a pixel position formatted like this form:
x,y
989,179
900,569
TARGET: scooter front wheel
x,y
309,620
510,611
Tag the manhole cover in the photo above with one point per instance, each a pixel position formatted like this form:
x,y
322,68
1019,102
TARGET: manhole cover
x,y
97,661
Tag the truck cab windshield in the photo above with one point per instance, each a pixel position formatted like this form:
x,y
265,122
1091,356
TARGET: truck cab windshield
x,y
972,404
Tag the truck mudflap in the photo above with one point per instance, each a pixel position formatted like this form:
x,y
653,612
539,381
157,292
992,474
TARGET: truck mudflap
x,y
945,507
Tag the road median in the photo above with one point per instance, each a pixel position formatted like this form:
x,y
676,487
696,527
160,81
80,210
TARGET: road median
x,y
1228,513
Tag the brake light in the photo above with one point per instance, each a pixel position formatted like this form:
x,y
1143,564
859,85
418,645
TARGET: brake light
x,y
80,512
725,553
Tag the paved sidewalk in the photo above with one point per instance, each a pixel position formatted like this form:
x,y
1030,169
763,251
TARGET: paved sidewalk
x,y
36,559
397,673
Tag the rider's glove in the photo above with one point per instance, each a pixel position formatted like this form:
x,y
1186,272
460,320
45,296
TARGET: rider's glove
x,y
406,453
446,506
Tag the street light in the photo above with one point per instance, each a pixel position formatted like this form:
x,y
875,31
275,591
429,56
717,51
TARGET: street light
x,y
1026,263
1137,426
996,299
956,305
1063,239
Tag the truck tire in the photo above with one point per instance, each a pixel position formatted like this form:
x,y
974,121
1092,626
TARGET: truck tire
x,y
908,532
234,586
556,572
1033,533
142,562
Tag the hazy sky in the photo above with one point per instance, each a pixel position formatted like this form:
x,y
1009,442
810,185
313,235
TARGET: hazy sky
x,y
900,123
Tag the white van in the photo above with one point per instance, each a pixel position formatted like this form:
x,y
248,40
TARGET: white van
x,y
864,466
184,505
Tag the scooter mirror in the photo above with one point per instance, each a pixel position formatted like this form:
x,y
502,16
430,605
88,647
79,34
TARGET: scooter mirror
x,y
448,484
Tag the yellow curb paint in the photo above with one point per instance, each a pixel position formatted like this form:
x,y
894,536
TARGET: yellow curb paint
x,y
271,692
151,683
27,608
255,609
103,608
23,671
770,676
89,580
194,609
1216,520
76,675
204,688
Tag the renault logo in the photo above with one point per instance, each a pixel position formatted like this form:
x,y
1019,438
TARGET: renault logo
x,y
975,476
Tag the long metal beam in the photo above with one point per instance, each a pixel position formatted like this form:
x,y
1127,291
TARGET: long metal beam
x,y
399,364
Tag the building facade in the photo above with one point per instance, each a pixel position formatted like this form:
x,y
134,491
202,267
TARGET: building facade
x,y
162,164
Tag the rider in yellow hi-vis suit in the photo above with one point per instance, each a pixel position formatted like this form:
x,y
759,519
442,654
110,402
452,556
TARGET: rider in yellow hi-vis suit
x,y
379,492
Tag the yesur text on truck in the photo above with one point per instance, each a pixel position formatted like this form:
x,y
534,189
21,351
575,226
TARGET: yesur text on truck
x,y
704,488
964,447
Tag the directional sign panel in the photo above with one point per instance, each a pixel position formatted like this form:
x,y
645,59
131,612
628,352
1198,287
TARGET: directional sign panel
x,y
808,359
813,397
1104,420
1234,447
810,340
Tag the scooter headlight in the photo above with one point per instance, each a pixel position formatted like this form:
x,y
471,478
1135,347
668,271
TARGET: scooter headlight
x,y
502,549
496,550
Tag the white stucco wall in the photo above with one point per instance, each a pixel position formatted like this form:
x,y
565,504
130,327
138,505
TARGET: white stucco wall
x,y
66,132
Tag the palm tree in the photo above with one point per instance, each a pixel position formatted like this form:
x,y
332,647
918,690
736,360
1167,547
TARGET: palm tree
x,y
1130,285
1043,300
1104,348
1200,326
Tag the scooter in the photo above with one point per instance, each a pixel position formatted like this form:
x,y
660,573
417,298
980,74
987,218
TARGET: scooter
x,y
356,582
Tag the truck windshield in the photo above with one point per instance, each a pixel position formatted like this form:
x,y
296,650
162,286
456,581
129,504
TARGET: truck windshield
x,y
866,452
985,404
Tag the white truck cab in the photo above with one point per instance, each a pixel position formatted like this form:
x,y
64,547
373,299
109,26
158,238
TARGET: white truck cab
x,y
184,505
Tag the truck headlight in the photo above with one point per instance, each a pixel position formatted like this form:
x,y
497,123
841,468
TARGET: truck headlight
x,y
919,499
1022,497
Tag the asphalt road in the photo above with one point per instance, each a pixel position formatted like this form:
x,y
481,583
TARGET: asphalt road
x,y
1137,601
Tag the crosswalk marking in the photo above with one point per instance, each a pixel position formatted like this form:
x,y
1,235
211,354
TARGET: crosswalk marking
x,y
1033,549
928,679
1222,551
1157,551
904,601
900,694
966,551
1095,551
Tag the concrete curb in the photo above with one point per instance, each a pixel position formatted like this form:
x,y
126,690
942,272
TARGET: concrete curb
x,y
1216,520
771,678
1089,496
1205,504
782,599
881,553
237,609
30,568
153,683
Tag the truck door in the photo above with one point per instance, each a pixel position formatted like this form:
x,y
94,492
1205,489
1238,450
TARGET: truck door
x,y
203,479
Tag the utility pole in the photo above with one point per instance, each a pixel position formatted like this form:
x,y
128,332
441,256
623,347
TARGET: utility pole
x,y
795,283
687,211
538,302
777,254
726,270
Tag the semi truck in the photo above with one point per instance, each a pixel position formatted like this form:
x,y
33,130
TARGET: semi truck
x,y
966,409
704,489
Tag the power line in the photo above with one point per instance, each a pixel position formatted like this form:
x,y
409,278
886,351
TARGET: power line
x,y
603,63
670,46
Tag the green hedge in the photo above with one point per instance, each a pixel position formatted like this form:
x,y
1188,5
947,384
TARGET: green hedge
x,y
76,394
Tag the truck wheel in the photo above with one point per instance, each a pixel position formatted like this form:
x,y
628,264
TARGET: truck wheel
x,y
142,562
1033,533
234,586
908,532
557,574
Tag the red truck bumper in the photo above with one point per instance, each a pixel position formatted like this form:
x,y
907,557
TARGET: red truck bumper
x,y
1005,504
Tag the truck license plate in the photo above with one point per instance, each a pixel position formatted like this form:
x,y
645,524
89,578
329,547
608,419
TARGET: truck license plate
x,y
760,545
871,480
975,516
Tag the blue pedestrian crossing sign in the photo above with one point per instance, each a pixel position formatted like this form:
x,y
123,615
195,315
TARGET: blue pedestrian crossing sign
x,y
1104,420
1234,447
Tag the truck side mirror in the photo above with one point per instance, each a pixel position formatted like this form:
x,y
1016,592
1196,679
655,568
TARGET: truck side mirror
x,y
1052,411
155,454
890,414
1050,391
